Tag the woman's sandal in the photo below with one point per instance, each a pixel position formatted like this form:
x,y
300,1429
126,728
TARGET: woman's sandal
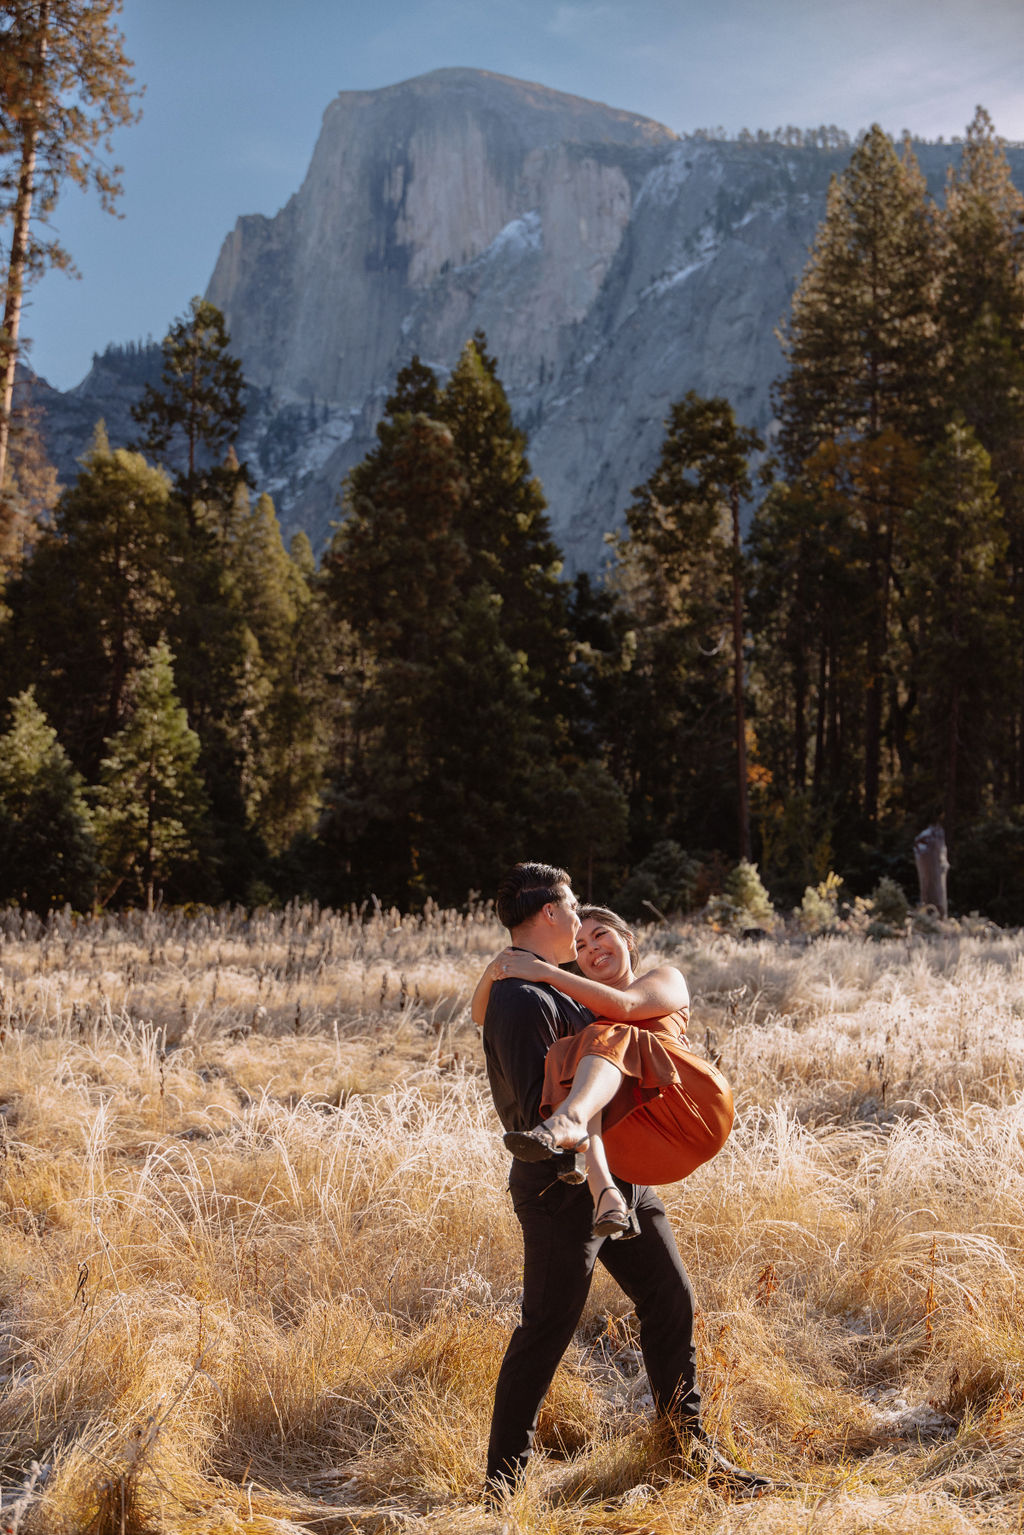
x,y
615,1223
533,1145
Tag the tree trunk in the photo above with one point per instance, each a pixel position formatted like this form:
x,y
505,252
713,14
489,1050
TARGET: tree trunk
x,y
820,723
952,764
834,738
1016,771
742,795
953,721
932,866
67,88
800,690
149,855
873,697
15,286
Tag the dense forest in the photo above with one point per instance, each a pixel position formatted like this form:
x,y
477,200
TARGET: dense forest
x,y
196,713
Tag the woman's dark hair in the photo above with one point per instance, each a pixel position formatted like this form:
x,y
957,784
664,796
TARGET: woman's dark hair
x,y
525,889
615,922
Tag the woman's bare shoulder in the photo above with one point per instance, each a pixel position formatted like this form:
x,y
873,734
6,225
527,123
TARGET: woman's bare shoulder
x,y
669,982
665,969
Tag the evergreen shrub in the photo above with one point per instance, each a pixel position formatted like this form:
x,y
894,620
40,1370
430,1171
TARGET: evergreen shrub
x,y
986,871
818,912
666,879
890,907
744,902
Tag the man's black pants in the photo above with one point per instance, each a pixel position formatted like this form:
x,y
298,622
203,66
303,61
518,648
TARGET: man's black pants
x,y
559,1254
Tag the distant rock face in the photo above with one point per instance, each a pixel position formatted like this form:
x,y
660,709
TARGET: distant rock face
x,y
612,266
115,381
429,192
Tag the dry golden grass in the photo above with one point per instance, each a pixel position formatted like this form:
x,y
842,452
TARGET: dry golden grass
x,y
257,1265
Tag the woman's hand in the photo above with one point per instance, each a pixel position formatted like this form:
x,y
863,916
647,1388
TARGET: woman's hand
x,y
510,965
517,965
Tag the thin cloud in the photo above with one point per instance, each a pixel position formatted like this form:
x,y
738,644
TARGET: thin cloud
x,y
572,21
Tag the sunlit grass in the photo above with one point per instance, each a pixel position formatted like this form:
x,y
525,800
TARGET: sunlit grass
x,y
257,1264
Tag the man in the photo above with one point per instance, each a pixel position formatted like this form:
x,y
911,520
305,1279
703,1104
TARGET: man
x,y
535,902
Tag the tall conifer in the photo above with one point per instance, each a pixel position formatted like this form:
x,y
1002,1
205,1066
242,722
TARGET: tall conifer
x,y
65,85
680,580
190,422
504,517
443,578
149,803
956,605
192,418
97,594
860,342
47,853
394,573
981,314
282,733
862,385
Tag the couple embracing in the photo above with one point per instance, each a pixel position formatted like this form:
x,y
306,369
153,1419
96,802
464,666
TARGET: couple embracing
x,y
628,1092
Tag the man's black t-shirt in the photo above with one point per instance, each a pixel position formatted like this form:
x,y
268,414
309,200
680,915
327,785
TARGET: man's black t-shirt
x,y
524,1018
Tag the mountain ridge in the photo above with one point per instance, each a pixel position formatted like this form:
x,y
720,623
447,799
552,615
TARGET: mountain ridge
x,y
612,264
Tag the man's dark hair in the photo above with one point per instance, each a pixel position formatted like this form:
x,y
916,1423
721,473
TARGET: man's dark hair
x,y
525,889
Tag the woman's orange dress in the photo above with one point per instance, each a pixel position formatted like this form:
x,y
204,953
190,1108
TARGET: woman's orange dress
x,y
673,1110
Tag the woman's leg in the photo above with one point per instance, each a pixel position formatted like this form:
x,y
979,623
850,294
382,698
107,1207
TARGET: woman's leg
x,y
603,1190
595,1084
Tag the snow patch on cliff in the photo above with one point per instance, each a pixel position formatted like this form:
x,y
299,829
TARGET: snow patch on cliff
x,y
707,246
520,237
662,184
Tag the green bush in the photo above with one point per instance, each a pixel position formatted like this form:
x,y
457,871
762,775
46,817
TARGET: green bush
x,y
666,880
744,902
818,912
889,904
986,869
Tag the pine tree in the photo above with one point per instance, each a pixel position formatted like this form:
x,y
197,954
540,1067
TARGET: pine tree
x,y
981,301
981,319
149,803
860,342
504,518
416,391
452,644
956,605
47,854
862,383
393,574
788,615
486,769
399,559
680,578
97,594
29,491
194,416
190,423
506,528
65,85
283,736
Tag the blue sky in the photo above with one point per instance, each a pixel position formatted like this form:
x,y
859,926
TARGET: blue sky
x,y
235,90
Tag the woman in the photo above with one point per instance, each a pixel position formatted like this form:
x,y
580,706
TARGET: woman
x,y
627,1088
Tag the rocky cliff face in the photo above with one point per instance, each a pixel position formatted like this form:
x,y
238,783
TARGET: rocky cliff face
x,y
612,266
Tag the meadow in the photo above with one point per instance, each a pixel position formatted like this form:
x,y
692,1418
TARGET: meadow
x,y
258,1265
